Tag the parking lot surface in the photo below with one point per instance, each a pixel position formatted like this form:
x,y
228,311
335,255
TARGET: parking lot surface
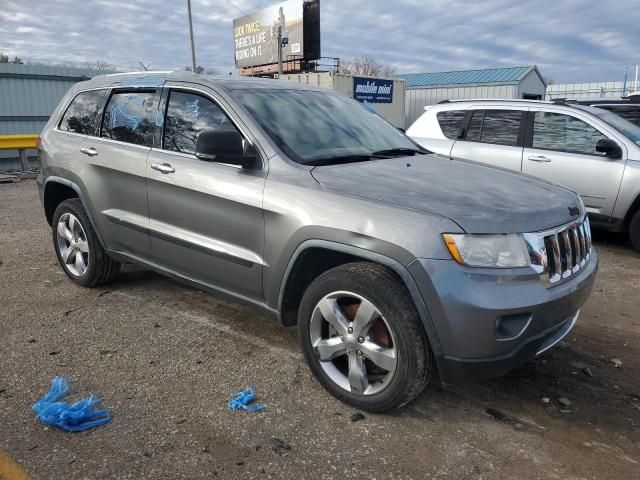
x,y
167,358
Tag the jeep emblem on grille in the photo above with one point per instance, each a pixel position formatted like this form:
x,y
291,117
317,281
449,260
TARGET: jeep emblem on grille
x,y
574,211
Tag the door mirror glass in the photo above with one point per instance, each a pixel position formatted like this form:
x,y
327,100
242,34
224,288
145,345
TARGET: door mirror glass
x,y
609,148
224,146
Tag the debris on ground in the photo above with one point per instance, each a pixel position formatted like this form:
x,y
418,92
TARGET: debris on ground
x,y
565,402
73,417
587,371
243,400
616,362
546,400
280,446
356,417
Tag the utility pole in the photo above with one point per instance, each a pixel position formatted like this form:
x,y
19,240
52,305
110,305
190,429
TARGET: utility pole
x,y
279,50
193,47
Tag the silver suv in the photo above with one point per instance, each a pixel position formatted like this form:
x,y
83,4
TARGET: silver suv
x,y
302,203
589,150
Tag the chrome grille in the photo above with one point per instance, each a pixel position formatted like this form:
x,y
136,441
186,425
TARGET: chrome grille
x,y
560,253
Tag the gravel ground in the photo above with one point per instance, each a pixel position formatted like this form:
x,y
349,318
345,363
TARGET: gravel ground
x,y
166,358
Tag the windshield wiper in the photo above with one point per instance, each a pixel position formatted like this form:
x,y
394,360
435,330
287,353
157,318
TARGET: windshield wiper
x,y
316,162
400,151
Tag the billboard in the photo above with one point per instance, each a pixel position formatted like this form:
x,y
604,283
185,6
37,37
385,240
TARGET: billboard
x,y
255,36
373,90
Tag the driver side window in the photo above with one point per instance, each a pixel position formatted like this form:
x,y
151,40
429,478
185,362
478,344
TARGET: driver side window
x,y
564,133
188,114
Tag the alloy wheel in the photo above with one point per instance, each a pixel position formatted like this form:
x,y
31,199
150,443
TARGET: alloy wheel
x,y
353,342
72,244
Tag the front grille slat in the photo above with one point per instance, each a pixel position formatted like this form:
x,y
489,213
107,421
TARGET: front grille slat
x,y
568,254
568,249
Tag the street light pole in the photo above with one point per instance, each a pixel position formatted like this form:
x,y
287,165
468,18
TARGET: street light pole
x,y
279,50
193,47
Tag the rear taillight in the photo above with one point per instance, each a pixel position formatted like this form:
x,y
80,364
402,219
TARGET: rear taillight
x,y
39,142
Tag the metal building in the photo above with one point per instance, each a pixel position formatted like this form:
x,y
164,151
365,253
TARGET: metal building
x,y
590,90
393,111
28,96
430,88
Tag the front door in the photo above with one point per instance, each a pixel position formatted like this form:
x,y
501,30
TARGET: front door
x,y
206,219
563,151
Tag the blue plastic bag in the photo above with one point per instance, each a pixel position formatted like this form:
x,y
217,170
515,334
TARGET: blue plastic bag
x,y
243,399
74,417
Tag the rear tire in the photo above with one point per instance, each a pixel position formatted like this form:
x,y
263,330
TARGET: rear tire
x,y
634,231
77,247
362,337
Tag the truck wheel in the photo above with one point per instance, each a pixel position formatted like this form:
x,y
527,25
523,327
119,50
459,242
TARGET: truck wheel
x,y
634,231
362,337
77,247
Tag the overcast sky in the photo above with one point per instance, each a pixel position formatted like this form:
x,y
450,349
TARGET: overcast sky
x,y
569,40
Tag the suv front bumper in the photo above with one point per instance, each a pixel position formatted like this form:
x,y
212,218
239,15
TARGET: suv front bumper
x,y
489,321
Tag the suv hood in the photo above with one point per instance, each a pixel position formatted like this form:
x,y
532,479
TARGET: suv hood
x,y
478,198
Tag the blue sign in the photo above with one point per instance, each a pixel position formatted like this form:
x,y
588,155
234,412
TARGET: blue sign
x,y
372,90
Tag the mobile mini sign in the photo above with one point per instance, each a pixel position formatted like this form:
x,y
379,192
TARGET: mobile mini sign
x,y
372,90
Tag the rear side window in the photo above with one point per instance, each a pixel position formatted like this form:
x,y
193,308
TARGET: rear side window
x,y
84,112
451,123
188,114
628,112
500,127
127,117
563,133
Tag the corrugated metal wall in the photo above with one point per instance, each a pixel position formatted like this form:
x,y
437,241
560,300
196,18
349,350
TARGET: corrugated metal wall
x,y
393,113
588,90
28,96
417,98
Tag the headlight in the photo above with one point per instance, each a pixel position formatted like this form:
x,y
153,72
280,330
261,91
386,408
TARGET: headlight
x,y
501,251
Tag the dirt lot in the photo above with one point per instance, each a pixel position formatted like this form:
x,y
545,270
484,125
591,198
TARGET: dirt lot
x,y
166,358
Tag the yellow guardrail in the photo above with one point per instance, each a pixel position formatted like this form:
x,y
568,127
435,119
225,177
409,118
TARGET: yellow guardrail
x,y
17,142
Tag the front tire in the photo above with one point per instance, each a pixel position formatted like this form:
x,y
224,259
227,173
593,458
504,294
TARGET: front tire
x,y
362,337
77,247
634,231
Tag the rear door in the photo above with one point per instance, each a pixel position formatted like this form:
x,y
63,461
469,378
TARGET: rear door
x,y
562,149
493,136
206,219
110,146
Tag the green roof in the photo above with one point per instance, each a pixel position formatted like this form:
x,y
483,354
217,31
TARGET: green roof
x,y
468,77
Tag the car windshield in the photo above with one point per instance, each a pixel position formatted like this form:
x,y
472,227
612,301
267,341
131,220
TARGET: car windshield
x,y
628,129
316,128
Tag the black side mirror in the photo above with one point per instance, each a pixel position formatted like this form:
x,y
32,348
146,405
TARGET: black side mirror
x,y
609,148
224,146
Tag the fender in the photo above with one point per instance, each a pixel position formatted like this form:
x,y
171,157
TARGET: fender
x,y
375,257
81,196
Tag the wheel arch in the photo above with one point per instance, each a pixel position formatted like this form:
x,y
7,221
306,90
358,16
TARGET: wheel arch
x,y
56,190
633,209
314,257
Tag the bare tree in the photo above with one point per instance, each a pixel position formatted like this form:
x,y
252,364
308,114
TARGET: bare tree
x,y
100,66
367,66
199,69
548,80
5,59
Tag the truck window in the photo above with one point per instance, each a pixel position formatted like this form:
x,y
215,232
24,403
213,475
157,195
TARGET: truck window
x,y
127,117
84,112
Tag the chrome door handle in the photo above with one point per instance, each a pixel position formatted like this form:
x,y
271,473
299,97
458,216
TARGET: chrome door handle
x,y
89,151
539,158
163,167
